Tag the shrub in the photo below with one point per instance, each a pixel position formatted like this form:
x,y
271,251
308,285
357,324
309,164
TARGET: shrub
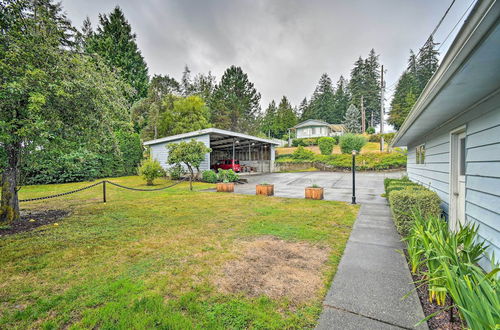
x,y
326,145
131,150
304,142
302,153
176,172
406,201
388,137
227,175
209,176
350,142
370,130
150,170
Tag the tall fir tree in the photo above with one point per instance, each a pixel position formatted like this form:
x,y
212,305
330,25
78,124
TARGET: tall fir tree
x,y
187,87
302,109
351,120
371,86
356,82
365,82
285,118
269,119
427,62
322,101
235,102
341,101
204,85
115,42
411,83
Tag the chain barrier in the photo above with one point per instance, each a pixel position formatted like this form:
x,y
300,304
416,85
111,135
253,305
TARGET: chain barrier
x,y
104,190
61,194
139,189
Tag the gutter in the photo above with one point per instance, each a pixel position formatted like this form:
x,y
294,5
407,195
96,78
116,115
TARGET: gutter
x,y
469,36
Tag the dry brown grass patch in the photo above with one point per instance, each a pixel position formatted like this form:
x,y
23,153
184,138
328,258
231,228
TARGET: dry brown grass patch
x,y
275,268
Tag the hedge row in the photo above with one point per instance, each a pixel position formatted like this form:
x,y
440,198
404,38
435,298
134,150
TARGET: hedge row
x,y
369,161
407,198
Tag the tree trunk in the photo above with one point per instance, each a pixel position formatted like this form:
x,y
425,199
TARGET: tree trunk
x,y
9,206
191,174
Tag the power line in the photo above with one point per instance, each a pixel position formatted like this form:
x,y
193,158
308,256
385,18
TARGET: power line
x,y
455,26
435,30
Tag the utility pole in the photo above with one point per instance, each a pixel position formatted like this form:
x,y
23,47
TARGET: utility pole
x,y
382,108
363,116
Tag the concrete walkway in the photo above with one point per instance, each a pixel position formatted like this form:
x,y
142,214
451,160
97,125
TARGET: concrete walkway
x,y
371,279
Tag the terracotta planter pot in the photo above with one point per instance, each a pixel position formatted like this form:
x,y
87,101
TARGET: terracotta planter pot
x,y
225,187
314,193
264,189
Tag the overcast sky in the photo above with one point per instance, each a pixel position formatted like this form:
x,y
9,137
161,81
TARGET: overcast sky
x,y
283,45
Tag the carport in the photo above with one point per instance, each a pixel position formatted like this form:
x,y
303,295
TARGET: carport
x,y
255,154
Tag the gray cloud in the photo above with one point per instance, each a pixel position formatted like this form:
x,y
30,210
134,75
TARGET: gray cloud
x,y
284,46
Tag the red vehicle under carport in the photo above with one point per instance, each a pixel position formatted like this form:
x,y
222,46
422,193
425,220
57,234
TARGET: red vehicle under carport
x,y
228,164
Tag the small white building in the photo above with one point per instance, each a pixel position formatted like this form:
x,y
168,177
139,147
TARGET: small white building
x,y
453,131
252,152
312,128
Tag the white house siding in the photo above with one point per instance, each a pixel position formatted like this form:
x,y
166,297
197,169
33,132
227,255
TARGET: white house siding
x,y
159,151
307,132
482,197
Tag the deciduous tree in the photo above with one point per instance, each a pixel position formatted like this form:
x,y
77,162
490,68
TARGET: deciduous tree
x,y
191,154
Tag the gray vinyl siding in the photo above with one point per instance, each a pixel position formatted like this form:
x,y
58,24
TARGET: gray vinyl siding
x,y
482,197
159,151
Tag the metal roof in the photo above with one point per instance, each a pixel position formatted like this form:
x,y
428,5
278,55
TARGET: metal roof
x,y
208,131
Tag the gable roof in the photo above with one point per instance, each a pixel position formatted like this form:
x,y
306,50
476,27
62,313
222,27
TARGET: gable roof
x,y
467,75
311,122
208,131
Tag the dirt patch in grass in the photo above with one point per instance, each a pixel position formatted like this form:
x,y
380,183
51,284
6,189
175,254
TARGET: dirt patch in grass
x,y
276,268
33,219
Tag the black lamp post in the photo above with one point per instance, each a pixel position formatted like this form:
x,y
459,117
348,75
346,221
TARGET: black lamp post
x,y
354,177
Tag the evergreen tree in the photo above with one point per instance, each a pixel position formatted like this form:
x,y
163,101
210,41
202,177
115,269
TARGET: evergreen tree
x,y
322,101
351,120
365,82
356,83
371,86
203,85
269,119
187,87
403,100
341,101
302,108
411,83
115,42
285,118
235,102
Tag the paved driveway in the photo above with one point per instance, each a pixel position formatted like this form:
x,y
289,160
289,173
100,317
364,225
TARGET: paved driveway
x,y
338,185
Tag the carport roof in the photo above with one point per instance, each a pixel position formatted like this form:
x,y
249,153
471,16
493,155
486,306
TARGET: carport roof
x,y
209,131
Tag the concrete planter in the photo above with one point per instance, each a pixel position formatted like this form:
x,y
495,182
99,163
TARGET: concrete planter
x,y
314,193
264,189
225,187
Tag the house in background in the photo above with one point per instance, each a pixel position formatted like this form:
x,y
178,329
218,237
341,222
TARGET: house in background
x,y
453,131
317,128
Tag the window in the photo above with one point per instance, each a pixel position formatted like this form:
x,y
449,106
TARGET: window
x,y
314,131
420,154
462,156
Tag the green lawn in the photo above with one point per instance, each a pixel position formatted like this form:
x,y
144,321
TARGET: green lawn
x,y
151,259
